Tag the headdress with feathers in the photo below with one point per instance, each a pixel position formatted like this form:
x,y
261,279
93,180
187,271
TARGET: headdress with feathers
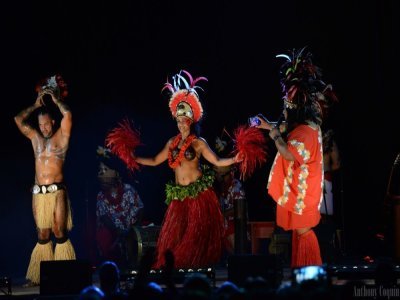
x,y
303,87
184,100
55,83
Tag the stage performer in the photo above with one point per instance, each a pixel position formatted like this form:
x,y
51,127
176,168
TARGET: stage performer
x,y
193,227
296,176
118,208
50,203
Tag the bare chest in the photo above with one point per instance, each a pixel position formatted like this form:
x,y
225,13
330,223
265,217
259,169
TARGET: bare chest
x,y
48,148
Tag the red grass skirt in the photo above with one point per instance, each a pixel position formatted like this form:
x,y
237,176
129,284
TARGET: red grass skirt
x,y
305,250
193,230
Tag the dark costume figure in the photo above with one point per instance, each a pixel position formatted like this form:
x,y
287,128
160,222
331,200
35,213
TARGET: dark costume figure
x,y
331,165
118,209
232,199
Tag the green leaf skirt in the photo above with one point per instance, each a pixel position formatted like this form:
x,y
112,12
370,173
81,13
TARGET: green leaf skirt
x,y
180,192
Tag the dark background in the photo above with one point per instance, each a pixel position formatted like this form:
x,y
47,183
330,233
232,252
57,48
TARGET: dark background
x,y
116,55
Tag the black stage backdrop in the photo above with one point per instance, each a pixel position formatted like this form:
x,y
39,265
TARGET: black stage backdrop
x,y
116,55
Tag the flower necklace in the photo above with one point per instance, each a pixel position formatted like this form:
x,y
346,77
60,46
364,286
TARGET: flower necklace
x,y
173,163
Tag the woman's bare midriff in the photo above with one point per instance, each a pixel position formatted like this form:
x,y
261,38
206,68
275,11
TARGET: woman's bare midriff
x,y
187,173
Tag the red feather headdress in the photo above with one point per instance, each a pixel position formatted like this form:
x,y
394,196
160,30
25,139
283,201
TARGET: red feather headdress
x,y
55,83
184,100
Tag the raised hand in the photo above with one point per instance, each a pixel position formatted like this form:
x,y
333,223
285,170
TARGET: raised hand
x,y
52,94
264,124
238,158
39,99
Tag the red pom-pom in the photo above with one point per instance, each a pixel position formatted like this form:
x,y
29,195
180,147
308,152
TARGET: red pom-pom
x,y
250,143
122,141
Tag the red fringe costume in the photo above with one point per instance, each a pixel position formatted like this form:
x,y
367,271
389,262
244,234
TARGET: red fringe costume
x,y
305,249
193,230
193,226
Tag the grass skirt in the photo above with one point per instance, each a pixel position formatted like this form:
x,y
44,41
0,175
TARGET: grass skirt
x,y
40,253
193,230
44,206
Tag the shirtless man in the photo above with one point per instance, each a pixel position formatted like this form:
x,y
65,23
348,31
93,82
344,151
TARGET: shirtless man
x,y
50,204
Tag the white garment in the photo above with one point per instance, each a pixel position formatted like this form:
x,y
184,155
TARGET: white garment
x,y
326,206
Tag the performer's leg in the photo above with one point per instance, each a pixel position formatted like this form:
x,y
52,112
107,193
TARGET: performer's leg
x,y
64,249
172,231
202,242
305,248
43,251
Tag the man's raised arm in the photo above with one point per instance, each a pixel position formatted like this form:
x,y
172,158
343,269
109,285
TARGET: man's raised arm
x,y
66,121
23,116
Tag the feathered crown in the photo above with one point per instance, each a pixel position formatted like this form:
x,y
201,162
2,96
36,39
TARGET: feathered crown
x,y
302,85
184,100
55,83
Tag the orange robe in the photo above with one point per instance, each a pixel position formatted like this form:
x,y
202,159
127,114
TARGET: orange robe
x,y
297,185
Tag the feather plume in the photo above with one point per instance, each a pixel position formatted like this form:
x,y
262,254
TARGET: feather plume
x,y
186,84
123,141
168,86
250,143
197,80
190,77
